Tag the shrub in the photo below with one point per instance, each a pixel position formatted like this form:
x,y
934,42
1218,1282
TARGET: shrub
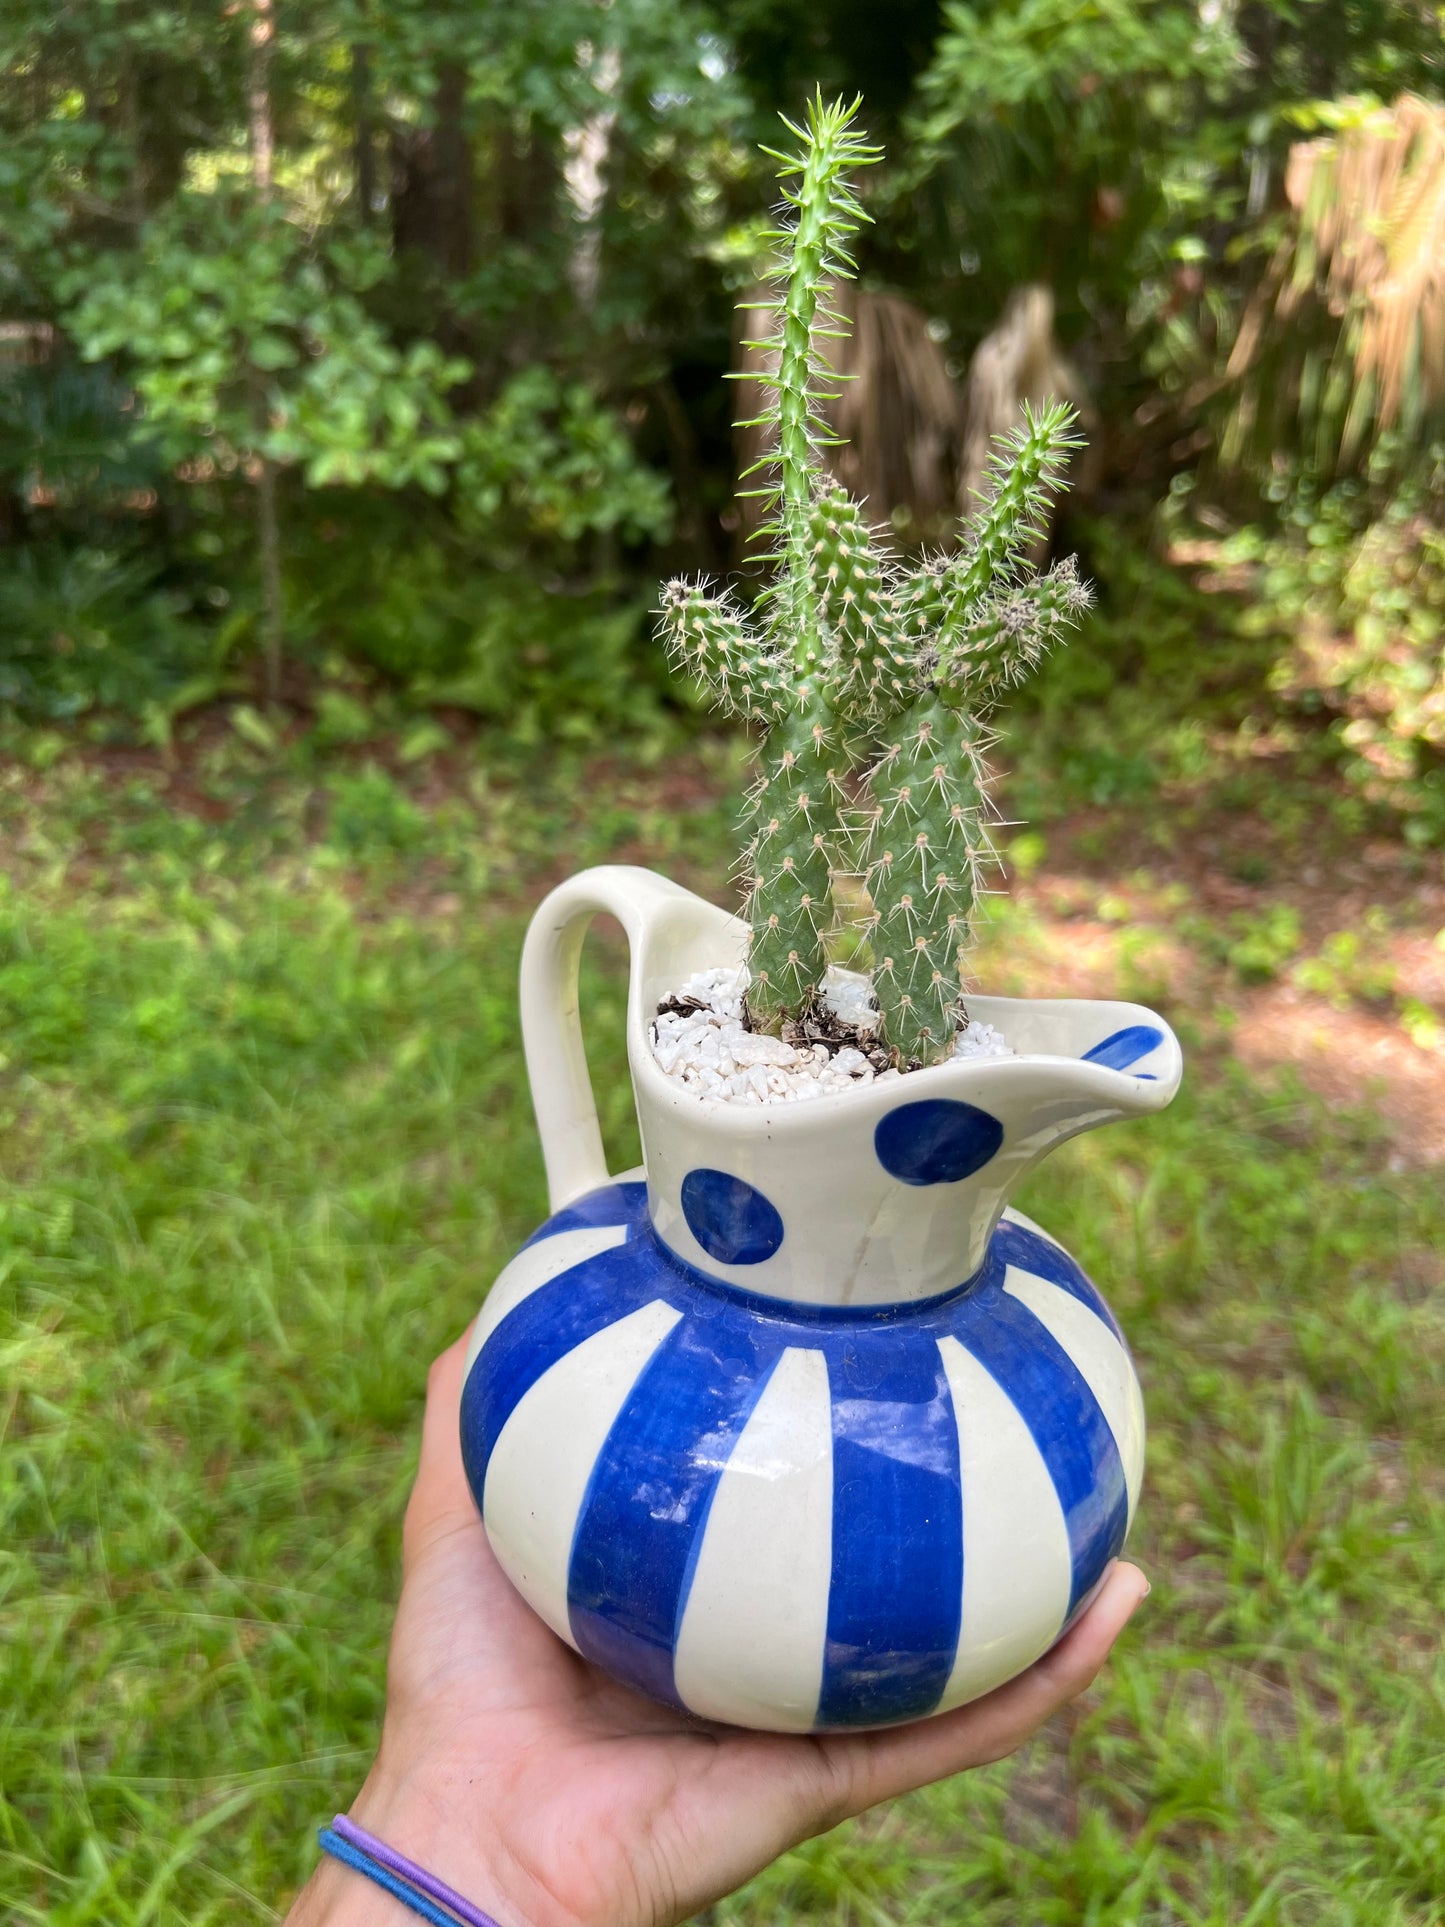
x,y
1353,579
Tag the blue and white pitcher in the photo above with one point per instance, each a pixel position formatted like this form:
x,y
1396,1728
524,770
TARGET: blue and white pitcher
x,y
799,1426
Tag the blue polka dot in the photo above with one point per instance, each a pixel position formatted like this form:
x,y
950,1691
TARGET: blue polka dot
x,y
732,1221
937,1141
1126,1047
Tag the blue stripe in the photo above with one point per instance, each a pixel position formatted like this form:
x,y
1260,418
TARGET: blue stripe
x,y
1071,1432
543,1328
1125,1047
642,1521
1016,1244
897,1581
610,1204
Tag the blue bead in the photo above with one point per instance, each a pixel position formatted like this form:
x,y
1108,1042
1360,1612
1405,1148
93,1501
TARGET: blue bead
x,y
731,1220
936,1141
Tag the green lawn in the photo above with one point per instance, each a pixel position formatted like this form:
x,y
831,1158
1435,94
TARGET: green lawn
x,y
266,1140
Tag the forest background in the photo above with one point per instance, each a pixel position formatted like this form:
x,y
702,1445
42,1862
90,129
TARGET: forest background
x,y
361,373
381,347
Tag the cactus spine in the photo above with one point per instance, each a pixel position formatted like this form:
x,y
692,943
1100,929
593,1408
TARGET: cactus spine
x,y
870,682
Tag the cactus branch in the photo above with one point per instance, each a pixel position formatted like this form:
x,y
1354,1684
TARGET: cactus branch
x,y
708,637
924,851
1026,471
812,246
974,625
867,665
989,651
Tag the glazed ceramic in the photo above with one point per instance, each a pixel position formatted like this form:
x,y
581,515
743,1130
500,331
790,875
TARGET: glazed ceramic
x,y
799,1426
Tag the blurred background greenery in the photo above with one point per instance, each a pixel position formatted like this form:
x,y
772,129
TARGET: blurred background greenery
x,y
361,370
377,350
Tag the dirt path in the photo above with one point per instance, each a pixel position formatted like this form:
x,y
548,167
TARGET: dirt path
x,y
1336,972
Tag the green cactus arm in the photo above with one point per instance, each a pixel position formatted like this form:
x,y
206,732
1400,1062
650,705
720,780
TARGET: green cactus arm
x,y
1027,469
708,637
1026,472
924,849
1008,633
796,802
782,678
794,808
814,249
868,669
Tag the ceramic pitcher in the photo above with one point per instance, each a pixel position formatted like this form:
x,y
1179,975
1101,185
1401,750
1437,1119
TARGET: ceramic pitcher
x,y
799,1426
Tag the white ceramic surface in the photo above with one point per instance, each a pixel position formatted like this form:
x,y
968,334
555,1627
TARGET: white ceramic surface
x,y
861,1236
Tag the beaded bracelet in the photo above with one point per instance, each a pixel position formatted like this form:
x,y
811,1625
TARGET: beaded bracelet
x,y
412,1885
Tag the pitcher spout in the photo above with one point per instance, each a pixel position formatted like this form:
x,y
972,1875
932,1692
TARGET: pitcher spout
x,y
1079,1063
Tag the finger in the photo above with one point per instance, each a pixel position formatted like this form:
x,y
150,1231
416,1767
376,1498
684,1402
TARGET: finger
x,y
878,1766
441,1487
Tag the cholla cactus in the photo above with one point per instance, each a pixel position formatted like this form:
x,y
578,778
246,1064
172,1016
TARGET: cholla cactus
x,y
870,682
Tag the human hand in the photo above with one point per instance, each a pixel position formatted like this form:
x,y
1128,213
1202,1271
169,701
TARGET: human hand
x,y
553,1797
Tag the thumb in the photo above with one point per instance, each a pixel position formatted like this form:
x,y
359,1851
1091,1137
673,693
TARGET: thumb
x,y
441,1491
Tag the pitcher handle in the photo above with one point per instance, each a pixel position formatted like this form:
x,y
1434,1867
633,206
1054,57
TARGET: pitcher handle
x,y
551,1018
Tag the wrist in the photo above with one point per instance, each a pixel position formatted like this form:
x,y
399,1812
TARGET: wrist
x,y
430,1826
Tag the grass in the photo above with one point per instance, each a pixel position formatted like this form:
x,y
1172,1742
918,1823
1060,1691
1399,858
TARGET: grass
x,y
266,1141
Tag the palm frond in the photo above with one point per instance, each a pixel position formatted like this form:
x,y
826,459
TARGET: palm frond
x,y
1348,324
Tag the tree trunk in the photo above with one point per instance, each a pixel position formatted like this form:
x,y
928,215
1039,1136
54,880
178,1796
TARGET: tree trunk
x,y
273,608
268,526
365,138
433,185
258,97
585,174
1017,362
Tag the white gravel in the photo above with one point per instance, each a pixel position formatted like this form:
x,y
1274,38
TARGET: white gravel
x,y
710,1051
978,1039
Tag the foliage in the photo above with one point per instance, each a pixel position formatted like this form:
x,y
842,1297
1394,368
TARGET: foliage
x,y
1349,585
1362,258
255,353
1065,144
541,665
480,284
858,660
389,306
1133,157
85,626
67,438
267,1145
547,463
264,350
786,49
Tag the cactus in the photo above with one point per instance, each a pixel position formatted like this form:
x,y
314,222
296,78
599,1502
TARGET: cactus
x,y
870,682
